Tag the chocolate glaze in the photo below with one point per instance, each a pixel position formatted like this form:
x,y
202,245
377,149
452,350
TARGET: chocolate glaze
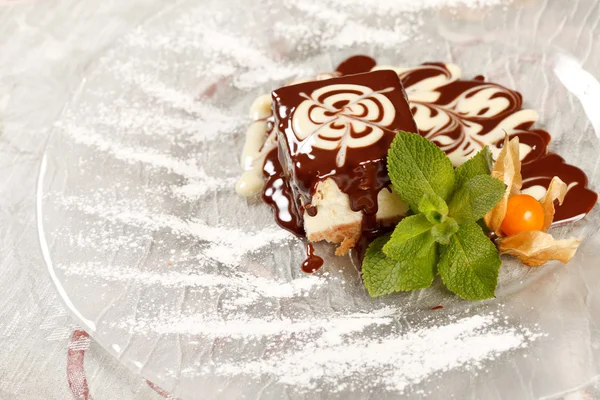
x,y
363,173
312,263
363,180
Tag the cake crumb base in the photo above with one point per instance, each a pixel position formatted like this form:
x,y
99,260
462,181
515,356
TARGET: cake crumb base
x,y
346,236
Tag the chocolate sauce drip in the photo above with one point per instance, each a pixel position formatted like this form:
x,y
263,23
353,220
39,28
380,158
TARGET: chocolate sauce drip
x,y
356,65
359,250
312,263
537,139
493,237
311,210
278,195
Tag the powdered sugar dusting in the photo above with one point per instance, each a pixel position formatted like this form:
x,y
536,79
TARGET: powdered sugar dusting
x,y
226,244
396,362
339,29
197,189
242,284
195,123
243,52
149,156
236,53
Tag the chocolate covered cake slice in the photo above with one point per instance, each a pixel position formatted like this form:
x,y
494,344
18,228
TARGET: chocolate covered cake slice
x,y
333,136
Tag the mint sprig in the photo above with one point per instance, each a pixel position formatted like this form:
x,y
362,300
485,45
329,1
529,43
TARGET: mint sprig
x,y
443,235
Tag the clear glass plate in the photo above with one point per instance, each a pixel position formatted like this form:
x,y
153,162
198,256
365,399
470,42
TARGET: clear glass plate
x,y
198,290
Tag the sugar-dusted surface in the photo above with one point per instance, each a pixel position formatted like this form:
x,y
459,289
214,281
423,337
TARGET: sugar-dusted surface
x,y
190,285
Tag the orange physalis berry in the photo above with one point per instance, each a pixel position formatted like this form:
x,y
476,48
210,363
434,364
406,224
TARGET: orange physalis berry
x,y
523,214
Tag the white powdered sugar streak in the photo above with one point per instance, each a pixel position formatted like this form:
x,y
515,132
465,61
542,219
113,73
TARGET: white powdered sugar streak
x,y
200,183
394,362
394,7
186,168
242,284
339,29
225,244
197,189
262,68
330,329
248,64
212,122
192,125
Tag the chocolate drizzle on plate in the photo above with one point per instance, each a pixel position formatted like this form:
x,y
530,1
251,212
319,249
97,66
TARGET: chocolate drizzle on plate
x,y
356,65
462,116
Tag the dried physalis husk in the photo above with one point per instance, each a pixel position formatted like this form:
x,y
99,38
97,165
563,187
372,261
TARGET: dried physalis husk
x,y
556,191
508,169
536,248
533,248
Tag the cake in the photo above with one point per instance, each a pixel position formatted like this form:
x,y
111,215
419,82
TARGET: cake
x,y
324,188
333,136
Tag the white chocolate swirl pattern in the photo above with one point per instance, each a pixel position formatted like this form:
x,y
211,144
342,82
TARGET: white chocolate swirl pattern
x,y
464,116
338,117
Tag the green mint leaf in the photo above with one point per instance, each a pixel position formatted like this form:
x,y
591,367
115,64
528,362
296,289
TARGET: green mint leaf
x,y
410,237
382,275
469,264
442,232
479,164
475,198
418,167
433,207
